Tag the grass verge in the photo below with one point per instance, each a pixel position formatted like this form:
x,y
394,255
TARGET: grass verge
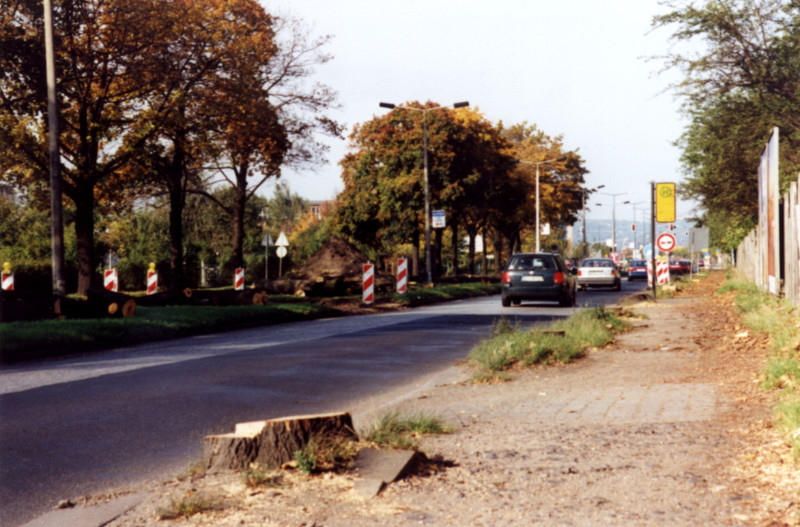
x,y
393,430
421,295
22,341
48,338
562,341
777,318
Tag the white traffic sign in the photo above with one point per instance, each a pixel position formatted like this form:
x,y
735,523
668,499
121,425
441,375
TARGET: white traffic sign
x,y
438,219
281,251
282,241
666,242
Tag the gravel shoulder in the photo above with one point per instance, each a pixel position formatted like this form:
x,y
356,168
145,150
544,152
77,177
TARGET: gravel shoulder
x,y
667,426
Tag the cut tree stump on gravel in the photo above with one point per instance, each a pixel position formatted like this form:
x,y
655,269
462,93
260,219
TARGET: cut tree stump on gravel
x,y
272,443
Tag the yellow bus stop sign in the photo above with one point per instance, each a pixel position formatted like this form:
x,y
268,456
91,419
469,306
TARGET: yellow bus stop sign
x,y
665,202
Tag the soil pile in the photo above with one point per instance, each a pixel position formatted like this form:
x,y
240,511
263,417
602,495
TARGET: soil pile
x,y
337,259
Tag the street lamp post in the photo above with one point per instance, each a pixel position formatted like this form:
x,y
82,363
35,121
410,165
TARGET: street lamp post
x,y
539,163
584,191
635,245
613,217
425,111
56,207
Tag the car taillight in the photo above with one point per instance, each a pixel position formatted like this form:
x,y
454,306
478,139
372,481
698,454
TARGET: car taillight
x,y
506,277
558,277
579,272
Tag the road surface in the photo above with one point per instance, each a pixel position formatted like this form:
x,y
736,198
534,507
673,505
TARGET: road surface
x,y
115,418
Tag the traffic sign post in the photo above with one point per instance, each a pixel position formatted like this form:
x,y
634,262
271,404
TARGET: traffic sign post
x,y
281,251
438,219
666,242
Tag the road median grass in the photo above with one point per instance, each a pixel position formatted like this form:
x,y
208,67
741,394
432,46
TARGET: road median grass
x,y
777,318
562,341
25,341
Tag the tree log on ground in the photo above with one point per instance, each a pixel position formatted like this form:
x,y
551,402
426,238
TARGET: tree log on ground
x,y
272,443
112,304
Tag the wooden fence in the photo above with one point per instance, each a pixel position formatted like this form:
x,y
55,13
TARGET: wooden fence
x,y
748,257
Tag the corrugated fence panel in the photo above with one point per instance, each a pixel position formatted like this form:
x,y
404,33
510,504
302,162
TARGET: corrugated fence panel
x,y
748,260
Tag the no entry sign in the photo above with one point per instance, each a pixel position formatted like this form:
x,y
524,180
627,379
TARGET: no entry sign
x,y
665,242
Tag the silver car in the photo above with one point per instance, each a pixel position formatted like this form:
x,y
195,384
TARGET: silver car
x,y
599,272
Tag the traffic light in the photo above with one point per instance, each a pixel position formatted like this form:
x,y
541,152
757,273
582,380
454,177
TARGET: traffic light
x,y
633,226
671,227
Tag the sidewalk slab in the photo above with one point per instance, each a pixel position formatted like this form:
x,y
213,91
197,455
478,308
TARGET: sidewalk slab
x,y
96,516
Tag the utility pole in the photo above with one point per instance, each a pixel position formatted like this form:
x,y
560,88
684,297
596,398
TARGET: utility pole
x,y
56,207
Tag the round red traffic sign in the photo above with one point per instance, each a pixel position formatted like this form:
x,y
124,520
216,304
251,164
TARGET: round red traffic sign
x,y
665,242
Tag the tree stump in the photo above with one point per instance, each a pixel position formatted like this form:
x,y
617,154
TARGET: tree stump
x,y
111,303
272,443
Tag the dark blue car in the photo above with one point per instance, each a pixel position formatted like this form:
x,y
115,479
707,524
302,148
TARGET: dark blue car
x,y
637,270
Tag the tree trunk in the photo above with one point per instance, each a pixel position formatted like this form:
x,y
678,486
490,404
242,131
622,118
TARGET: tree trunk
x,y
415,258
454,231
237,217
471,252
84,235
176,183
437,253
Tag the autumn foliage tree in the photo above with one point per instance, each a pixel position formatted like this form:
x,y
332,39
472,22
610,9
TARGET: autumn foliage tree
x,y
151,94
474,175
121,67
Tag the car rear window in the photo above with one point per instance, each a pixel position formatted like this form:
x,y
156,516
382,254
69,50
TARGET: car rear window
x,y
597,263
531,263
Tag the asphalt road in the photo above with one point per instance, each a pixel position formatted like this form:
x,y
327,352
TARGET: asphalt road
x,y
116,418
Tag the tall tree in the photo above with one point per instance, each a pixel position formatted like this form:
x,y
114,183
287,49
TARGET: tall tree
x,y
561,176
267,116
742,82
382,204
114,93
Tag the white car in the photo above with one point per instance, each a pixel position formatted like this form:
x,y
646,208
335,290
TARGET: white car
x,y
599,272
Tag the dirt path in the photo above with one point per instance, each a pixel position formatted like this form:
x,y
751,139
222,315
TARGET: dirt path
x,y
666,427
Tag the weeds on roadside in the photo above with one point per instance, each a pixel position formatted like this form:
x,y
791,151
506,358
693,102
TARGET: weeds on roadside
x,y
562,341
196,468
256,476
395,431
189,505
326,453
778,319
307,458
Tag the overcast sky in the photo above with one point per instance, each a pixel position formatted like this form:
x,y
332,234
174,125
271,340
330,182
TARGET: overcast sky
x,y
575,68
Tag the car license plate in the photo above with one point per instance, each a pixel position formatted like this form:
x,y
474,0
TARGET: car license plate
x,y
596,272
532,279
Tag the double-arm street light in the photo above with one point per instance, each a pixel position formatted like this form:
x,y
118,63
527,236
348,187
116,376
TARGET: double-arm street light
x,y
613,216
539,163
425,111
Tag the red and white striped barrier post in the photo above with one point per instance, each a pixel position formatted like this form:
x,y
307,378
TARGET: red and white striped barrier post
x,y
238,281
8,277
368,284
152,280
402,275
110,281
662,272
